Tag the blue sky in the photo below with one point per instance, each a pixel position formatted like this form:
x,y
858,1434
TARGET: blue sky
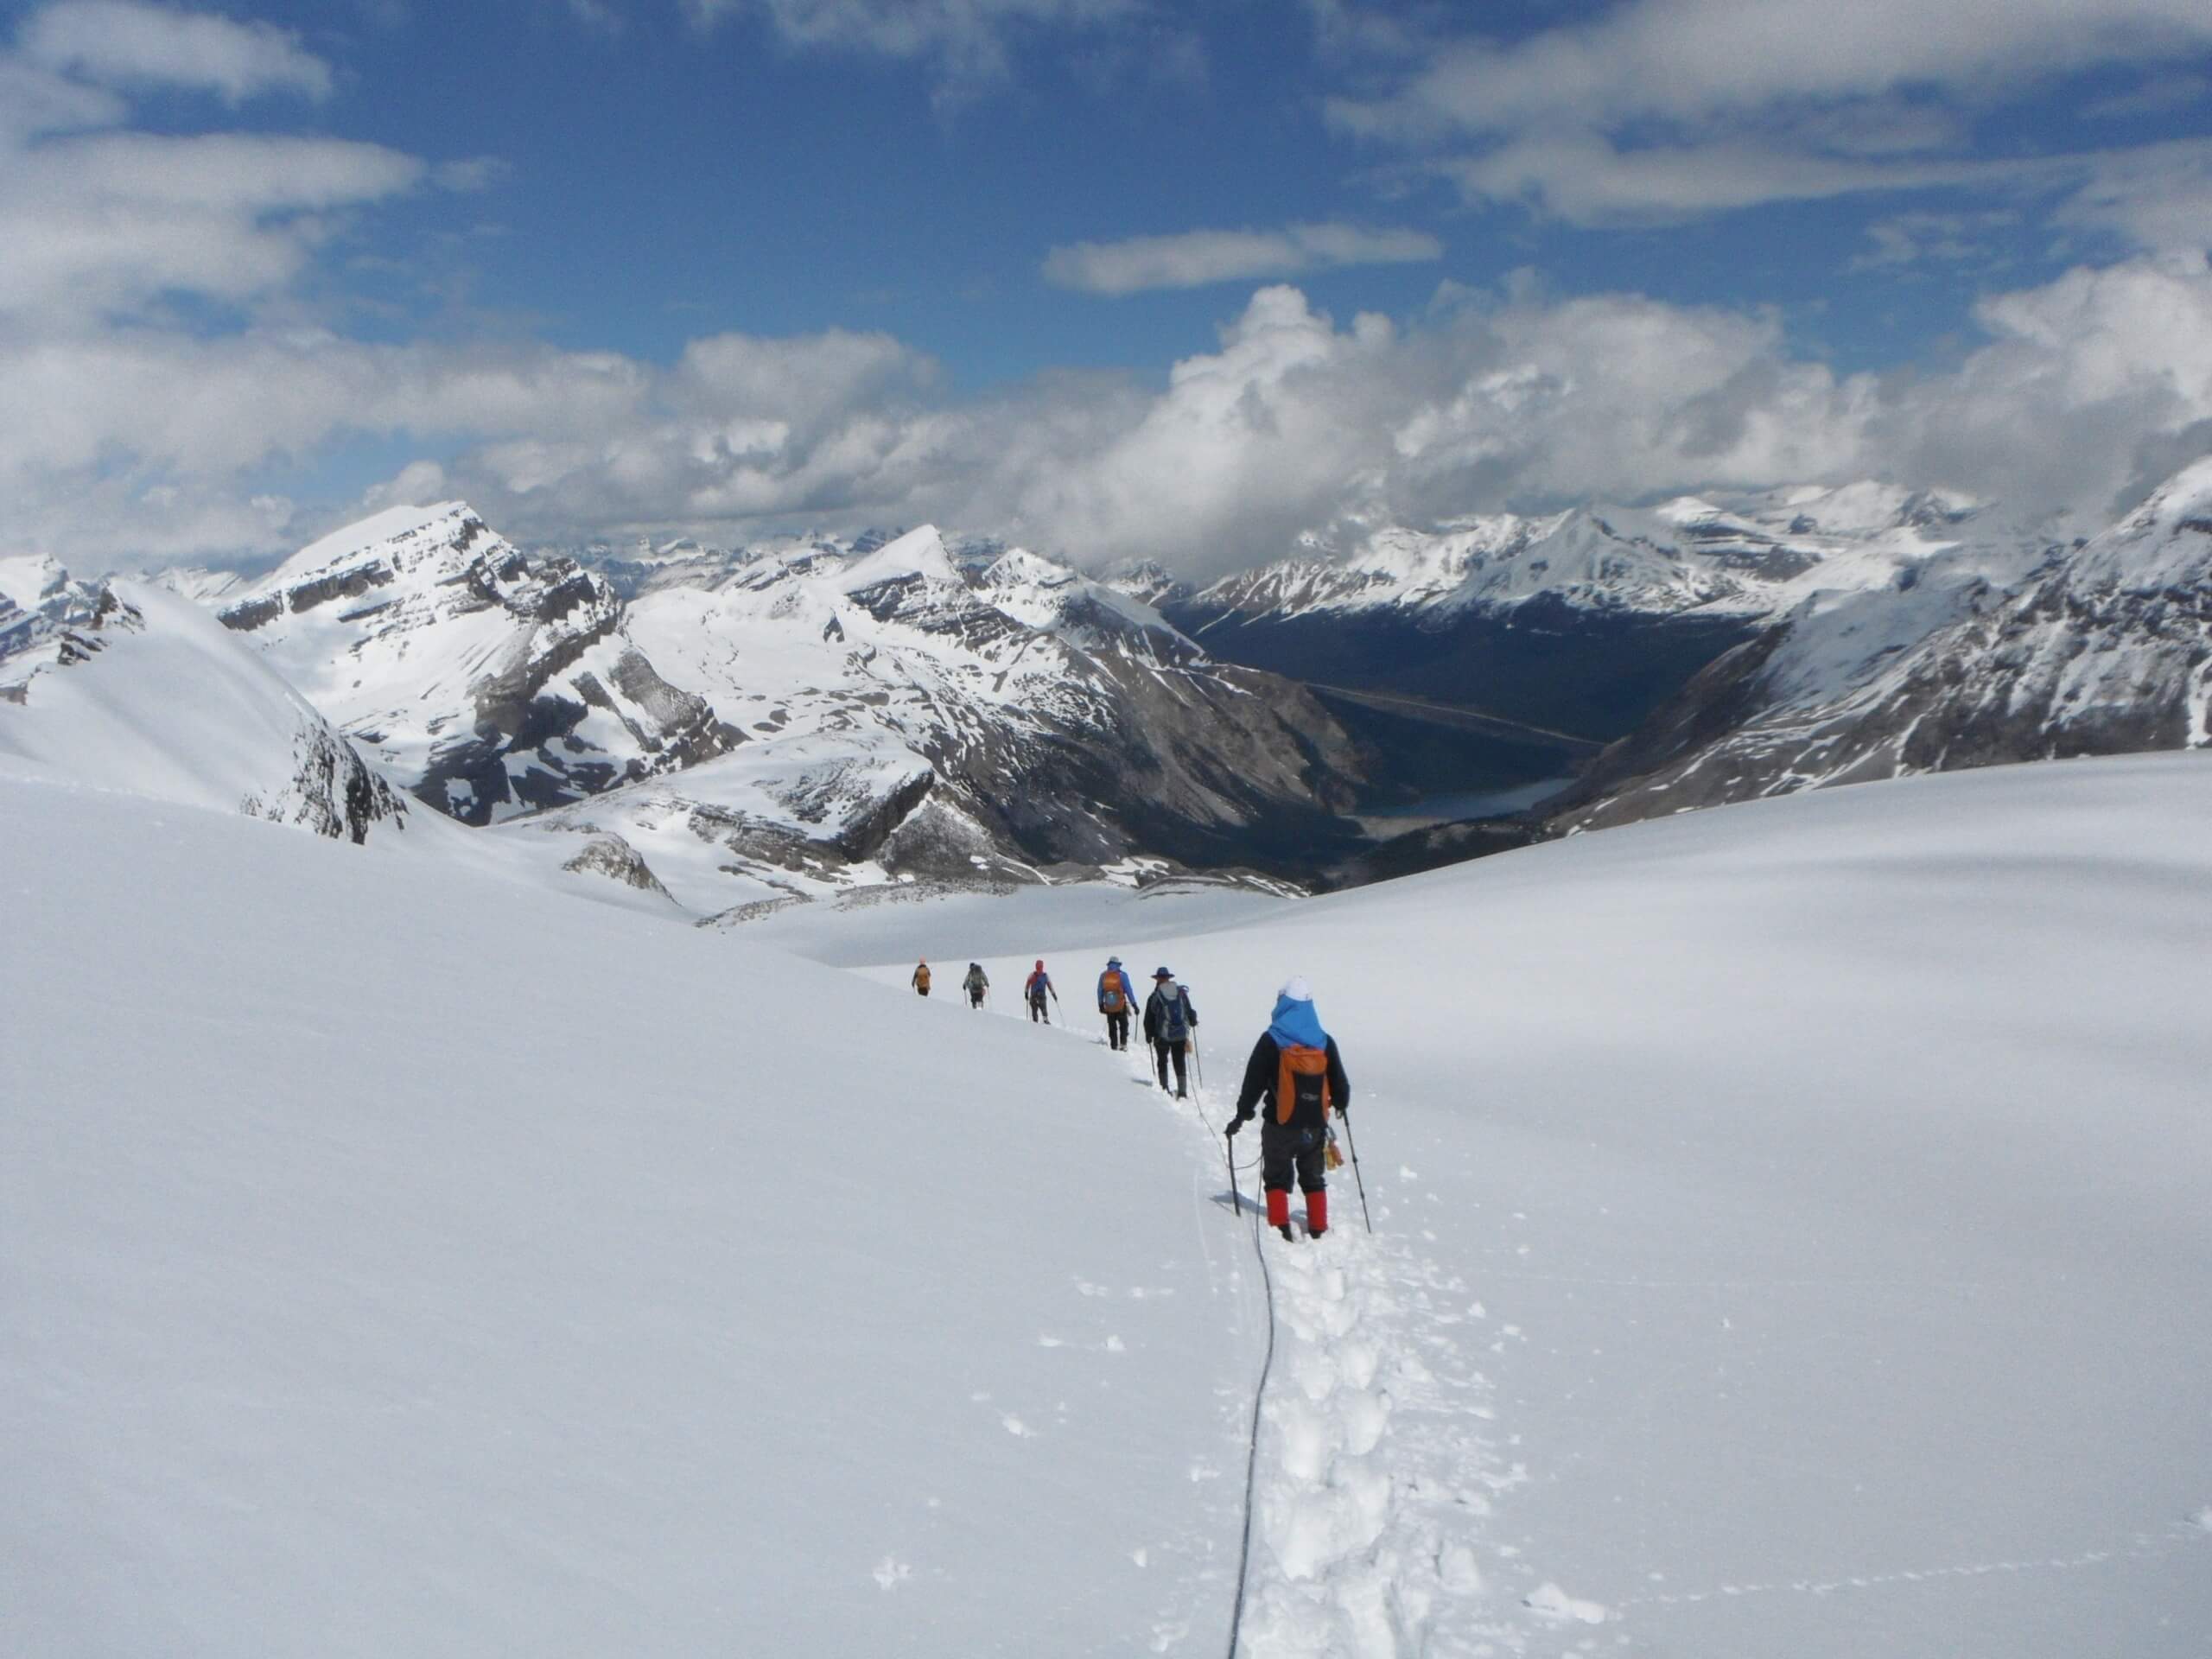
x,y
614,267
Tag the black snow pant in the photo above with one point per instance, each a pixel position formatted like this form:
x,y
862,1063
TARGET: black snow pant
x,y
1162,1051
975,999
1117,1029
1284,1148
1036,1011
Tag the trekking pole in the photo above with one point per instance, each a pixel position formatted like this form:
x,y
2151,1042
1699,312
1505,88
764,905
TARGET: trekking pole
x,y
1356,1176
1229,1153
1197,1063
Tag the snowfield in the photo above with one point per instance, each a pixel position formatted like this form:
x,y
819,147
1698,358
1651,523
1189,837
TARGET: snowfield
x,y
1791,1239
398,1260
1792,1231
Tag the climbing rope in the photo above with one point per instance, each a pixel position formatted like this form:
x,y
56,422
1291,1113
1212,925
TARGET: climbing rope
x,y
1259,1394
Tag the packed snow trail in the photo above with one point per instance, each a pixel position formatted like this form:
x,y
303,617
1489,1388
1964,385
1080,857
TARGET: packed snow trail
x,y
1371,1473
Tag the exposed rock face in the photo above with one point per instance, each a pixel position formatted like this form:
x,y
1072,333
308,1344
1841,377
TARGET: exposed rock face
x,y
488,681
2105,648
617,860
332,789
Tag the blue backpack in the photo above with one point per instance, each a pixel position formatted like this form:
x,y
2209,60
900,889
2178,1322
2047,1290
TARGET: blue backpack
x,y
1178,1017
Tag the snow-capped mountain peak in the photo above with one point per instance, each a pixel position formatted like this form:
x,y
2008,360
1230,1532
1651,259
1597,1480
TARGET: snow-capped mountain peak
x,y
919,553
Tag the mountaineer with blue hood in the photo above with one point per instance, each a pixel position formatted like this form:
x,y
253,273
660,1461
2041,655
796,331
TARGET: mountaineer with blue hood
x,y
1295,1066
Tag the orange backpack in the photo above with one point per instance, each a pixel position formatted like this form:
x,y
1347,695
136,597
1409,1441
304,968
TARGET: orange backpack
x,y
1303,1080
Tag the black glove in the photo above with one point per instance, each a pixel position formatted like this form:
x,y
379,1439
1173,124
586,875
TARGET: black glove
x,y
1235,1124
1343,1108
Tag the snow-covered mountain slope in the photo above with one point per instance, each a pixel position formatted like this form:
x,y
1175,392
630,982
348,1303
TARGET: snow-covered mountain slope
x,y
130,687
2105,649
752,1311
1790,1228
801,716
485,681
911,709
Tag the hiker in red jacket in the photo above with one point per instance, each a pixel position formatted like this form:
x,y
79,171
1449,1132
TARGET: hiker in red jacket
x,y
1296,1069
1037,989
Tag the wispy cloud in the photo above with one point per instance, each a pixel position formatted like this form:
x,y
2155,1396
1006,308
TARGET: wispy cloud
x,y
1698,59
1662,111
1196,258
127,43
968,43
1914,238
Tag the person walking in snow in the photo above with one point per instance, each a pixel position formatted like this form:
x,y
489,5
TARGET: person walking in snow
x,y
1037,987
1117,998
1170,1022
1296,1069
977,984
921,979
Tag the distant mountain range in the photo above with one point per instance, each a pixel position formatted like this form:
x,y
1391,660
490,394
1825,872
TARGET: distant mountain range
x,y
753,727
811,716
1585,621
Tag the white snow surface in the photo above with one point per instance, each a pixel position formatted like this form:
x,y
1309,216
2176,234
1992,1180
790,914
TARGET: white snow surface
x,y
1790,1236
1791,1232
422,1264
951,929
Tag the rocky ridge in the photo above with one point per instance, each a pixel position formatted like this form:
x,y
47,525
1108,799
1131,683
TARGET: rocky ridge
x,y
2104,647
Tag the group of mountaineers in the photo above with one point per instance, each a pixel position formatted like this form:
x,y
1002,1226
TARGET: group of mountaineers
x,y
1295,1069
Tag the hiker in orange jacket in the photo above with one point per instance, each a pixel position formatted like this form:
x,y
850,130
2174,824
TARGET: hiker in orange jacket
x,y
921,979
1117,1000
1296,1069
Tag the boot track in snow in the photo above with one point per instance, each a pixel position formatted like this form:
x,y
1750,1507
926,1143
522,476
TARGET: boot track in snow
x,y
1368,1474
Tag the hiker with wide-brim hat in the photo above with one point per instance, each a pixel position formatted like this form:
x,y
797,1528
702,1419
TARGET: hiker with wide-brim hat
x,y
1169,1024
